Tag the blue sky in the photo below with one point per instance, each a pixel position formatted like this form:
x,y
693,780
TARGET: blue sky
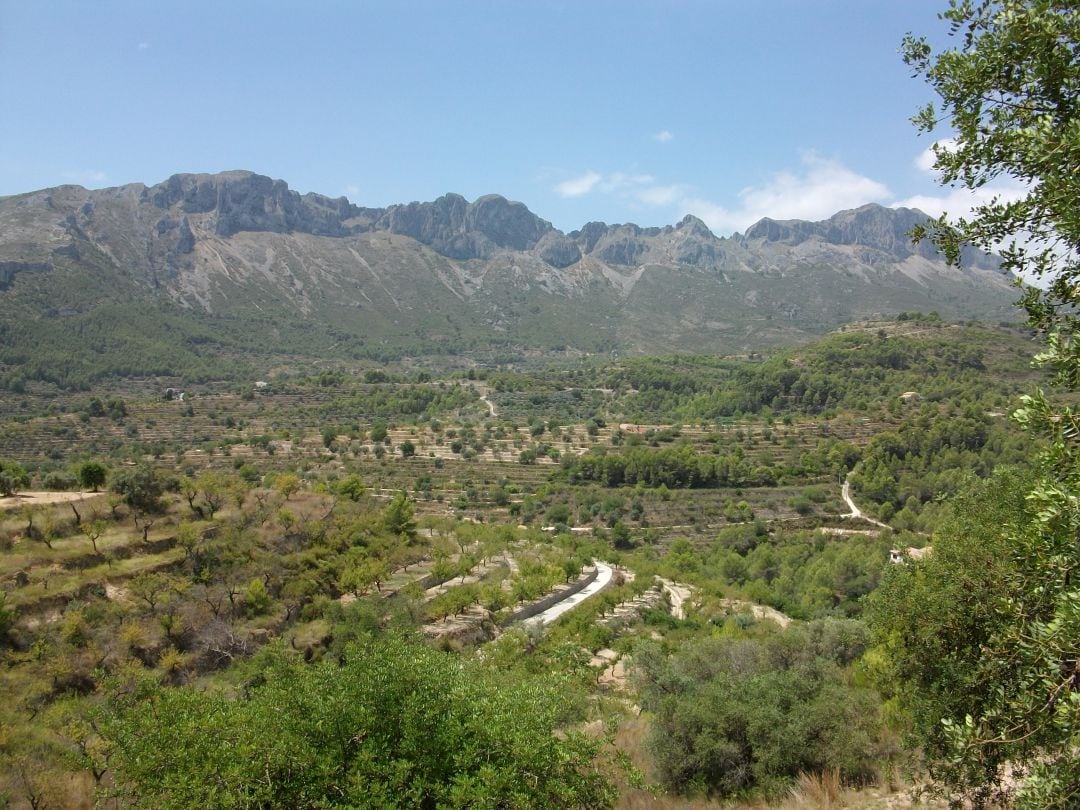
x,y
615,111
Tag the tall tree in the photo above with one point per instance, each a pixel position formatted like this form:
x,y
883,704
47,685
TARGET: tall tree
x,y
1009,91
1009,95
398,517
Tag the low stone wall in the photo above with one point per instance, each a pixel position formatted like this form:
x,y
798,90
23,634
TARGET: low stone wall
x,y
588,576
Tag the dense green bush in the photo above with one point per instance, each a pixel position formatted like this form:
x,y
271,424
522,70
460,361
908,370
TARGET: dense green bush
x,y
733,716
396,724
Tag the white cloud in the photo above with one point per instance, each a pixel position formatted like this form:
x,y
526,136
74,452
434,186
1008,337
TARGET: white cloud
x,y
925,161
819,189
959,202
637,188
578,186
660,195
715,216
144,46
663,136
618,182
85,177
351,190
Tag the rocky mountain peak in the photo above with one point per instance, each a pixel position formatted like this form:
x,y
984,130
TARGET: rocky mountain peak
x,y
870,225
790,232
692,226
238,201
462,230
245,201
507,224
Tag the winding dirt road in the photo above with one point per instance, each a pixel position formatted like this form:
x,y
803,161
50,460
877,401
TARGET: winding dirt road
x,y
856,512
677,595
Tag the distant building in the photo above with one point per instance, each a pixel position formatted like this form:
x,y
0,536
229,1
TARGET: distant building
x,y
261,385
899,556
911,396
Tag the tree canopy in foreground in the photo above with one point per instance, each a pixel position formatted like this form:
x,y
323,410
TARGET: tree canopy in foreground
x,y
985,637
396,724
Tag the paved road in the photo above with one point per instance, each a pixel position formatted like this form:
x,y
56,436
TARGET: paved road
x,y
603,577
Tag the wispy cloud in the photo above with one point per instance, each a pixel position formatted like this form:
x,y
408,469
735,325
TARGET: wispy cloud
x,y
660,195
957,202
143,46
623,182
85,177
663,136
926,158
633,187
578,186
960,202
817,189
352,191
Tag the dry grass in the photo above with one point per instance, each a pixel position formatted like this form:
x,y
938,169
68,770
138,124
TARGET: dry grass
x,y
630,738
818,790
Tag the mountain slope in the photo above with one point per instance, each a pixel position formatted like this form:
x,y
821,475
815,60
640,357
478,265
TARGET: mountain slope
x,y
206,275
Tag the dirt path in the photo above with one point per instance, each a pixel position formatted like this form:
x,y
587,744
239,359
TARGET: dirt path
x,y
757,611
42,498
856,512
677,595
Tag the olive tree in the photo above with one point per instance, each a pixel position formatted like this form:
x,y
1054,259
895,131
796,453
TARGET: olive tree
x,y
12,477
92,475
992,683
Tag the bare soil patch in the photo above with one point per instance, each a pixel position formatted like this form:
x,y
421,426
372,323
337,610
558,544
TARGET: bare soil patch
x,y
42,498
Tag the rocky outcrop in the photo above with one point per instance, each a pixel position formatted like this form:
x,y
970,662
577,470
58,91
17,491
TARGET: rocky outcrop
x,y
238,201
244,201
688,243
9,269
874,227
462,230
504,223
558,250
618,244
185,241
623,250
698,246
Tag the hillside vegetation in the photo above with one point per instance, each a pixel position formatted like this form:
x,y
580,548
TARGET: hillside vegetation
x,y
250,544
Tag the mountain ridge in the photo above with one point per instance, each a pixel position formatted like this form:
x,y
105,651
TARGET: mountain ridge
x,y
454,276
457,228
